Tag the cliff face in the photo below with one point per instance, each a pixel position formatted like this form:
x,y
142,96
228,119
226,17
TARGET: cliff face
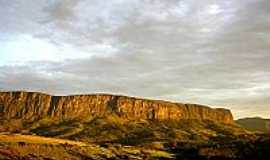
x,y
32,106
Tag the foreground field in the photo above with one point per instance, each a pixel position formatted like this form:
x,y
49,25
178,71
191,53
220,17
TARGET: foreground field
x,y
31,147
18,138
28,147
116,138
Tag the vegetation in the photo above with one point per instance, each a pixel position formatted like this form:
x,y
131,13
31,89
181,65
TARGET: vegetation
x,y
114,129
255,124
17,147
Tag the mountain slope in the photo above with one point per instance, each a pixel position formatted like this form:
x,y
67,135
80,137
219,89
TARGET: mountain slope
x,y
255,124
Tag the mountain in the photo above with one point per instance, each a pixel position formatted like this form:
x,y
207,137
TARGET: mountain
x,y
110,118
33,106
255,124
102,126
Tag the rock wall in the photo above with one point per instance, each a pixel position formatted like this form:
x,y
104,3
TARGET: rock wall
x,y
32,106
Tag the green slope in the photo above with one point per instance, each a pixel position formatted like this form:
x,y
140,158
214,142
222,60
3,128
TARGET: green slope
x,y
255,124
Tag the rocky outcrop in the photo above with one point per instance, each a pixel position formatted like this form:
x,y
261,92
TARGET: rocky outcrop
x,y
32,106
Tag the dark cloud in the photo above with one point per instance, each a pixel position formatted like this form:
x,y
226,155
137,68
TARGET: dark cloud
x,y
211,52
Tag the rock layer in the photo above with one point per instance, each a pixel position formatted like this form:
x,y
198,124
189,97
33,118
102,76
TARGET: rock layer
x,y
33,106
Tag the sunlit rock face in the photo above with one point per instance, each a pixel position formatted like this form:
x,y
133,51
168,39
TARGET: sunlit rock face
x,y
33,106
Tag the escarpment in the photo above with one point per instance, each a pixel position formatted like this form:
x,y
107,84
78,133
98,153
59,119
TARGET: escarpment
x,y
33,106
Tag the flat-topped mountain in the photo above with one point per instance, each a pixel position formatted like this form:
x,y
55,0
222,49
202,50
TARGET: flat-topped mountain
x,y
33,106
32,125
103,118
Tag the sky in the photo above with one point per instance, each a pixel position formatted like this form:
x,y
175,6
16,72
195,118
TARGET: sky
x,y
212,52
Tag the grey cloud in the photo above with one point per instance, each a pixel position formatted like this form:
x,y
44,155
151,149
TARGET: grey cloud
x,y
211,52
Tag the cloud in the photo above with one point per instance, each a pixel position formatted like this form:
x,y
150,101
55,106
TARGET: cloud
x,y
210,52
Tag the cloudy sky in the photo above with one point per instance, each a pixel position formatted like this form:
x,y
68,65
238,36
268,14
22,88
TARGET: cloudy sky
x,y
210,52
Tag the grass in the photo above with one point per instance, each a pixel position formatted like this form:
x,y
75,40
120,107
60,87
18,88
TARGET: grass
x,y
83,139
114,129
161,154
27,146
120,138
16,146
16,138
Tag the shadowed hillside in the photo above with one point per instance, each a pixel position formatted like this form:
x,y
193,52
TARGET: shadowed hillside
x,y
255,124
